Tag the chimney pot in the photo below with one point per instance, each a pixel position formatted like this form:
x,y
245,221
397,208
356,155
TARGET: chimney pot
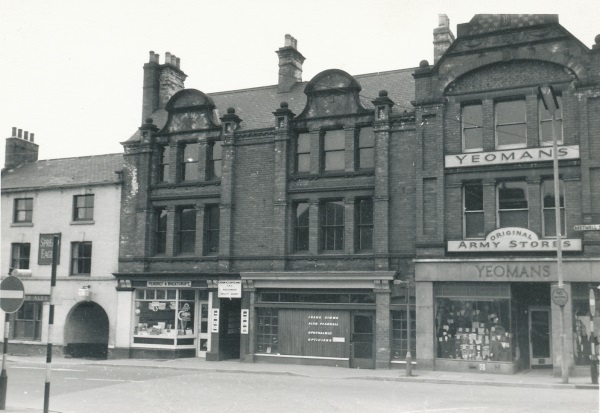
x,y
168,58
26,137
14,131
288,40
178,62
20,133
444,21
31,137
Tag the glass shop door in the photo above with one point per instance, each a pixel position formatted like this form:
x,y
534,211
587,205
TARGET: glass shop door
x,y
540,336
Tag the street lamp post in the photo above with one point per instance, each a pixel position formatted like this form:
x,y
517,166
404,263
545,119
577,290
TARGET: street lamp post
x,y
551,104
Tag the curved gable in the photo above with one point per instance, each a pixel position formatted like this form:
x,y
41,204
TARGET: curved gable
x,y
189,110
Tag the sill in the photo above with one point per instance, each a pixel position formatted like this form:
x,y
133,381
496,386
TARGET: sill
x,y
550,144
510,147
92,222
21,224
79,275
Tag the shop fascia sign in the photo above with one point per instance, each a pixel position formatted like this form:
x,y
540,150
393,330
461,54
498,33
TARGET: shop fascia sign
x,y
169,284
513,239
230,289
511,156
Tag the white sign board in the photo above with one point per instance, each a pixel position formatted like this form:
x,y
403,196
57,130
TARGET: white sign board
x,y
509,157
170,284
512,239
230,289
245,321
590,227
214,320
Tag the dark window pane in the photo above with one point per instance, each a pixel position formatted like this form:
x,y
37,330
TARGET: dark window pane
x,y
514,219
474,198
473,139
474,227
334,140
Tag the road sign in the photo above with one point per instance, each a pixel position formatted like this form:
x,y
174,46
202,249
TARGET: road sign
x,y
590,227
560,296
12,294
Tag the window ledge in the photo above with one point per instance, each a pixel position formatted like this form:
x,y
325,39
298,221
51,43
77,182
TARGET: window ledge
x,y
92,222
21,224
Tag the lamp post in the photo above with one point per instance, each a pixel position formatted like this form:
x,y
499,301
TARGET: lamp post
x,y
551,104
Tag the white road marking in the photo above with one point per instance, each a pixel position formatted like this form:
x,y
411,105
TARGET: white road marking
x,y
449,409
41,368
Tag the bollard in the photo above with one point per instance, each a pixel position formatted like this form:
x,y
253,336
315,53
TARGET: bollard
x,y
594,369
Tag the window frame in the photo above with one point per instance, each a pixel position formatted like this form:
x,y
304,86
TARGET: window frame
x,y
467,212
186,234
160,230
18,318
27,209
212,234
85,208
327,154
327,229
164,162
214,166
544,117
471,126
17,256
361,226
79,261
302,155
498,202
361,149
189,164
523,123
299,230
562,209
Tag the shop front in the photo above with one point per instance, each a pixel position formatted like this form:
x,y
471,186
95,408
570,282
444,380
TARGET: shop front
x,y
330,319
497,315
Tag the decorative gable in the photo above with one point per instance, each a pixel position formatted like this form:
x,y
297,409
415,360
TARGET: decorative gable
x,y
190,110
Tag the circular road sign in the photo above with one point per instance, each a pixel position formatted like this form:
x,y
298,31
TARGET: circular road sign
x,y
12,294
560,296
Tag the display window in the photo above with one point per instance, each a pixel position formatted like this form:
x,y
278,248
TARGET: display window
x,y
474,329
583,336
165,316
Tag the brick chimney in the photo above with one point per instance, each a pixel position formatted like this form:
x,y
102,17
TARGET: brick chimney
x,y
290,65
160,82
20,149
442,37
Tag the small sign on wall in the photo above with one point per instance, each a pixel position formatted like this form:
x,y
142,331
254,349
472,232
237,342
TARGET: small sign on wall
x,y
230,289
45,249
245,321
214,320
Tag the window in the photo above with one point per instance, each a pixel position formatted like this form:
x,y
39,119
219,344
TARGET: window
x,y
549,210
303,153
301,214
267,332
400,334
471,123
189,162
366,149
546,124
332,226
23,210
83,207
20,256
163,163
160,231
512,205
81,258
26,323
186,237
511,127
334,144
473,211
215,160
212,216
364,224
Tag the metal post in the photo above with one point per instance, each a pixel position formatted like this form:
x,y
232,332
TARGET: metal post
x,y
593,355
3,375
50,325
408,338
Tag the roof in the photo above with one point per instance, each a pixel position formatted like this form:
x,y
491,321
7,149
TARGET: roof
x,y
64,172
255,106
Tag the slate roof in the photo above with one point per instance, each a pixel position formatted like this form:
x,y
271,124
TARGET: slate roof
x,y
255,106
64,172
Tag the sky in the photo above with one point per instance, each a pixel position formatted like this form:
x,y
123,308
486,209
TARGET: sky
x,y
72,70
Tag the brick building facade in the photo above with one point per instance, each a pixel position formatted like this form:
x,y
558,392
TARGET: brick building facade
x,y
283,223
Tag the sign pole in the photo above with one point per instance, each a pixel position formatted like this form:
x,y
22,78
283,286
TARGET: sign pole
x,y
593,355
408,332
3,375
50,325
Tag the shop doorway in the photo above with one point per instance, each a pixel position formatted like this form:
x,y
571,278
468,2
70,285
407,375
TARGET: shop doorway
x,y
361,341
86,332
229,328
540,337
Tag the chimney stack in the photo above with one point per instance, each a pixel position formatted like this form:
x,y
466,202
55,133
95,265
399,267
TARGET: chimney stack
x,y
20,149
290,65
160,82
442,37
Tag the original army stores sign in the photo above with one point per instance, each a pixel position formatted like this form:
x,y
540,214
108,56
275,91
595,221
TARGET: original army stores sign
x,y
512,239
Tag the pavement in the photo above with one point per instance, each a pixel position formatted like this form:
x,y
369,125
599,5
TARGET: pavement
x,y
541,378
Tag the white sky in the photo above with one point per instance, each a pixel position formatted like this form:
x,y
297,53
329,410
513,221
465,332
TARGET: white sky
x,y
72,70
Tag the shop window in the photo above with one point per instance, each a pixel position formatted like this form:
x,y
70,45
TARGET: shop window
x,y
186,230
472,131
23,212
332,226
582,332
334,145
302,161
474,329
301,237
364,224
163,315
511,125
549,209
164,157
26,323
215,160
473,222
267,330
512,205
189,162
81,258
400,333
546,124
83,207
212,227
160,231
366,148
20,256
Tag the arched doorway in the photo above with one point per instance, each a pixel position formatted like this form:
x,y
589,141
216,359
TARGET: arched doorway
x,y
86,331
